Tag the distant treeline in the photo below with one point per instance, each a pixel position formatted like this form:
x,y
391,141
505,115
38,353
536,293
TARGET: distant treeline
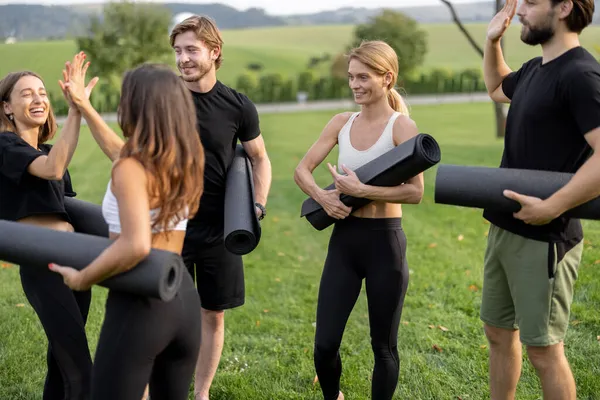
x,y
271,88
37,22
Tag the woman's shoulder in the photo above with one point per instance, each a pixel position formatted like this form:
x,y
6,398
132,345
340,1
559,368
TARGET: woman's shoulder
x,y
8,137
340,119
404,128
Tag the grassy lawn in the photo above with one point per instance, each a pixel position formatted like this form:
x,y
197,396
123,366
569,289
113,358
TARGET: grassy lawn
x,y
287,50
268,342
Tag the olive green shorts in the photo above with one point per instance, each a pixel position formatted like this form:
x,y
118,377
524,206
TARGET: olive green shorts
x,y
528,285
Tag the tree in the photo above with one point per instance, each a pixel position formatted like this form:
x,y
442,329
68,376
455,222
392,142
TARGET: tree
x,y
401,32
498,107
127,35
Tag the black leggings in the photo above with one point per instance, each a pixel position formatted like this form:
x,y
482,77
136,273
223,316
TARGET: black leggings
x,y
374,249
63,314
147,341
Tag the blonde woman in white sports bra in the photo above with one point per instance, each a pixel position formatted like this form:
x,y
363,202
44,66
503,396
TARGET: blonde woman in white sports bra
x,y
155,186
369,244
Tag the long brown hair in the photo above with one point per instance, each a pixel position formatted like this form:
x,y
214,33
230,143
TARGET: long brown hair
x,y
381,58
157,115
7,85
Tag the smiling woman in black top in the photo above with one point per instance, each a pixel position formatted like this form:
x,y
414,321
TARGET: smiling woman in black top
x,y
33,182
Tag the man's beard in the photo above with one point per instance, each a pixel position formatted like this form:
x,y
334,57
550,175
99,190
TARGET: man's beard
x,y
201,70
538,35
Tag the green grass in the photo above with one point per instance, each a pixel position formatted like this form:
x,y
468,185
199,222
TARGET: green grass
x,y
287,50
268,342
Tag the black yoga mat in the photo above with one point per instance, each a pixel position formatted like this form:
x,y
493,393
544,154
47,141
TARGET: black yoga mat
x,y
158,275
242,229
392,168
483,187
86,217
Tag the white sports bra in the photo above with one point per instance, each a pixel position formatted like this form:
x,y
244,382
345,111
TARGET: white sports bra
x,y
110,212
353,158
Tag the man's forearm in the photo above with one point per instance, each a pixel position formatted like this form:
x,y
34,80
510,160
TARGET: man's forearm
x,y
261,170
583,187
495,68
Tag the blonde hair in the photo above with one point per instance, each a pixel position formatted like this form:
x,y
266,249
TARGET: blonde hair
x,y
206,31
381,58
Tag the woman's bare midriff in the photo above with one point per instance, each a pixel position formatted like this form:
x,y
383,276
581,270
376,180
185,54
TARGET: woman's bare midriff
x,y
48,221
378,209
160,241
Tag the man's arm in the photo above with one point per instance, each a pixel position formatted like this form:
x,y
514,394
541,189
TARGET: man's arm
x,y
585,184
261,168
252,140
495,70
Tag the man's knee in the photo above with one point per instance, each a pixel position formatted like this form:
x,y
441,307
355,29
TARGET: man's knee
x,y
545,357
212,318
501,337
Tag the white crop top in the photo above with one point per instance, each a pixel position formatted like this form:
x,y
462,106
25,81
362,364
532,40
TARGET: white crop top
x,y
354,158
110,212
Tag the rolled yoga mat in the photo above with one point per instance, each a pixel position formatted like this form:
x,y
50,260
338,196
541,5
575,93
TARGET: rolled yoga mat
x,y
158,275
86,217
392,168
242,228
482,187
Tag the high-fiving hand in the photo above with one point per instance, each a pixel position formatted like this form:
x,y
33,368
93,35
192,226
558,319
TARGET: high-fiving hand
x,y
73,87
502,20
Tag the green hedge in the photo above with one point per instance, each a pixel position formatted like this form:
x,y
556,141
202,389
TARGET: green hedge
x,y
271,88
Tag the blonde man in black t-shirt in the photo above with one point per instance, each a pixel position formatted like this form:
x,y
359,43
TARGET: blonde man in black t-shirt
x,y
532,257
224,116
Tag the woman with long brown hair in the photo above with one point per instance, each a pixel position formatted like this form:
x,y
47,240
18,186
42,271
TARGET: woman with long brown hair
x,y
155,186
33,182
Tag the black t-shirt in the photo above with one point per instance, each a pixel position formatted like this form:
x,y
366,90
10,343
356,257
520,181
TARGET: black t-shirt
x,y
552,107
224,116
23,194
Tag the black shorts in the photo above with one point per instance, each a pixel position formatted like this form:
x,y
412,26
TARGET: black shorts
x,y
218,273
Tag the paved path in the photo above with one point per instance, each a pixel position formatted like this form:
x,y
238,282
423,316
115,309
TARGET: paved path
x,y
270,108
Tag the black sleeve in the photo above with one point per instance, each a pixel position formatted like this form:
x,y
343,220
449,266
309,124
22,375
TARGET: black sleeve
x,y
69,192
250,125
582,92
15,156
511,81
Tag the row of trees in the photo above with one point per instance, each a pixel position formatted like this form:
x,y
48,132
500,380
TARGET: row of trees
x,y
274,87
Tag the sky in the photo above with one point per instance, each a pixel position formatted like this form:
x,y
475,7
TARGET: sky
x,y
274,7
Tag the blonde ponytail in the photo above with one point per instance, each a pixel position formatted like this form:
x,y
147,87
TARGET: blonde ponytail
x,y
396,101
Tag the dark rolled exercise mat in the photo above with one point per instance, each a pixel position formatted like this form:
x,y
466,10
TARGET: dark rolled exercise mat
x,y
86,217
483,187
158,275
242,228
392,168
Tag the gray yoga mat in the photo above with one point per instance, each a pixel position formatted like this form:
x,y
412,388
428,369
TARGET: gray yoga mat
x,y
392,168
482,187
242,230
86,217
158,275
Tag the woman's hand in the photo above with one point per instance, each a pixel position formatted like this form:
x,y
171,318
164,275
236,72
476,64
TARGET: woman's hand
x,y
333,206
348,184
72,277
74,84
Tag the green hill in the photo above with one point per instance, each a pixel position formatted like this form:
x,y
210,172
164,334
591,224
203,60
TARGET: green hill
x,y
288,49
